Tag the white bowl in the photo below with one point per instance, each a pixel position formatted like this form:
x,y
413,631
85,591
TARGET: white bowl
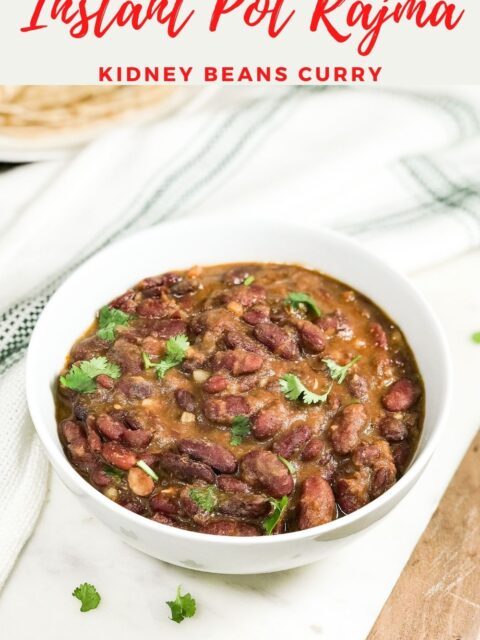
x,y
179,245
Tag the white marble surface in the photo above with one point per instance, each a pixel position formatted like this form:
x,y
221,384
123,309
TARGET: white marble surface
x,y
337,599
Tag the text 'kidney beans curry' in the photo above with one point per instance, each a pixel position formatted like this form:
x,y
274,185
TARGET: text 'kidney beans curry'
x,y
246,399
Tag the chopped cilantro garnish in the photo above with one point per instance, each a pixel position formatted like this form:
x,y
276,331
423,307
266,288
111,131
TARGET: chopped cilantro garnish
x,y
279,508
240,429
205,498
337,372
296,298
148,470
288,464
88,596
113,472
81,376
294,389
249,280
476,337
182,607
177,348
108,320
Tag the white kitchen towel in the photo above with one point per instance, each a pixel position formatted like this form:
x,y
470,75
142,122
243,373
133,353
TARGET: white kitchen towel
x,y
397,169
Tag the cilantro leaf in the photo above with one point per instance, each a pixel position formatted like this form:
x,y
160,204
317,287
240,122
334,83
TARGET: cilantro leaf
x,y
294,389
182,607
476,337
88,596
148,470
108,320
81,376
249,280
290,466
240,429
279,508
297,298
337,372
113,472
177,348
205,498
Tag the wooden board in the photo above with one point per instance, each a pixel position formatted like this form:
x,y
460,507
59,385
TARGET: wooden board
x,y
437,596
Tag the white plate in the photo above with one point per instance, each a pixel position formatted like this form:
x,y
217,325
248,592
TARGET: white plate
x,y
57,145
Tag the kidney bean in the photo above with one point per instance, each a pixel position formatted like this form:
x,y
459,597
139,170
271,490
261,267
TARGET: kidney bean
x,y
136,387
185,468
223,410
71,430
345,432
232,485
238,361
358,387
257,314
352,491
184,287
291,441
383,478
335,323
163,280
371,453
268,421
215,384
237,275
99,477
316,504
246,296
125,302
139,482
93,439
164,502
401,455
277,340
230,528
312,336
127,355
138,439
118,456
261,468
317,450
80,409
155,308
379,335
79,451
109,427
88,348
159,517
238,340
170,328
105,381
185,400
393,429
134,507
401,395
212,454
244,505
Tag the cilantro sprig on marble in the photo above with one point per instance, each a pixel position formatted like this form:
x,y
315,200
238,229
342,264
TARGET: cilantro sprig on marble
x,y
294,389
108,321
184,606
81,376
176,351
337,372
297,298
205,497
279,507
88,596
240,429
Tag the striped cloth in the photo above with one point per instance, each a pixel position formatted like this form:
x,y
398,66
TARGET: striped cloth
x,y
397,169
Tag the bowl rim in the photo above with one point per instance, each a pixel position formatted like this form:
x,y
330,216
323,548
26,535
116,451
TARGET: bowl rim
x,y
59,460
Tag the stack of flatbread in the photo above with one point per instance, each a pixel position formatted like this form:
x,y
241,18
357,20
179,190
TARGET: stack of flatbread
x,y
36,111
